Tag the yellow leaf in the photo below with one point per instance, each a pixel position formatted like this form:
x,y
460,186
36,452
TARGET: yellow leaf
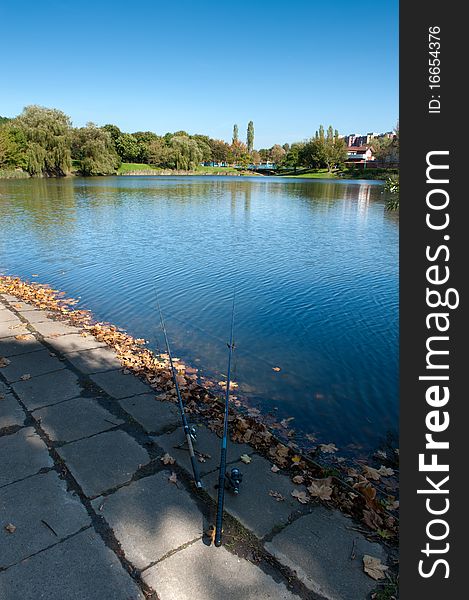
x,y
245,459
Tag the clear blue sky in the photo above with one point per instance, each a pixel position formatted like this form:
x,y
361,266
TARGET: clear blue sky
x,y
202,66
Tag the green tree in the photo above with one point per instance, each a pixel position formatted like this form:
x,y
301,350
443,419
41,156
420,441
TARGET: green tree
x,y
324,150
12,147
128,148
47,132
235,133
250,137
220,150
203,142
160,154
113,131
94,149
186,152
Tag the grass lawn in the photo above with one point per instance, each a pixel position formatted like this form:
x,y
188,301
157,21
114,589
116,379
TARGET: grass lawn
x,y
128,167
312,174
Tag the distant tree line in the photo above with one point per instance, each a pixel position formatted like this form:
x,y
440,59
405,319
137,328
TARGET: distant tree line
x,y
43,142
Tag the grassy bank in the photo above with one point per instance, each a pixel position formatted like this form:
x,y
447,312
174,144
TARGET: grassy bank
x,y
144,169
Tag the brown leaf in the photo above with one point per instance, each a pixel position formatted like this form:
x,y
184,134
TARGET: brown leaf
x,y
300,496
276,369
321,488
10,528
4,362
371,473
211,533
374,567
22,336
167,459
372,519
298,479
277,495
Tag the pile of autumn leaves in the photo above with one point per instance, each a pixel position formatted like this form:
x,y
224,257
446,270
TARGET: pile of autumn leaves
x,y
365,492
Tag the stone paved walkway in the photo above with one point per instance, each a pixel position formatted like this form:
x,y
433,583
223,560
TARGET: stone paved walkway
x,y
94,514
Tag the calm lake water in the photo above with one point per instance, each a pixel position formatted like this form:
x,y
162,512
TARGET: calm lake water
x,y
315,264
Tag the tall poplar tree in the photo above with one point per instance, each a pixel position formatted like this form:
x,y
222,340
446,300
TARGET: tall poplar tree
x,y
250,137
235,133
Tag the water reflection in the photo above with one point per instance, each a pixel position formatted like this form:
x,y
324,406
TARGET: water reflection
x,y
314,262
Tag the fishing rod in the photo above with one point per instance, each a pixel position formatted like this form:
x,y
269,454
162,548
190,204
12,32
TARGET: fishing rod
x,y
188,432
234,478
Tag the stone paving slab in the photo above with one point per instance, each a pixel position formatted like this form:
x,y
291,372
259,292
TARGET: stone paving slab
x,y
6,316
154,415
151,517
35,315
22,453
318,547
48,389
96,360
104,461
41,363
10,346
80,568
120,385
30,503
9,297
202,572
49,328
75,419
11,412
254,507
21,306
10,329
207,443
74,342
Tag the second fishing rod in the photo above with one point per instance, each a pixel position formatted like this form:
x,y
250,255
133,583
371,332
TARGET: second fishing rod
x,y
233,479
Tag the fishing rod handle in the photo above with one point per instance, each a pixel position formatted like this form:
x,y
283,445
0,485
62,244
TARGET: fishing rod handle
x,y
221,497
195,466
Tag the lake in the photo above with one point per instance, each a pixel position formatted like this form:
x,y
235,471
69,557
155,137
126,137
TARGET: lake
x,y
314,262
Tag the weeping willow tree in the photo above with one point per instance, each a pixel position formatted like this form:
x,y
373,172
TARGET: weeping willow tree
x,y
186,152
93,148
47,132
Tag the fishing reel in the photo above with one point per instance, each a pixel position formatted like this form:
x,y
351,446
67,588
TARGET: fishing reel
x,y
193,433
233,480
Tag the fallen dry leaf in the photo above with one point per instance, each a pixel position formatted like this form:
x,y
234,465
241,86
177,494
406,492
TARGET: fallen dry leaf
x,y
22,336
374,567
276,369
211,533
167,459
371,473
25,377
173,478
277,495
296,459
300,496
298,479
385,471
245,459
274,469
321,488
328,448
4,362
10,528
